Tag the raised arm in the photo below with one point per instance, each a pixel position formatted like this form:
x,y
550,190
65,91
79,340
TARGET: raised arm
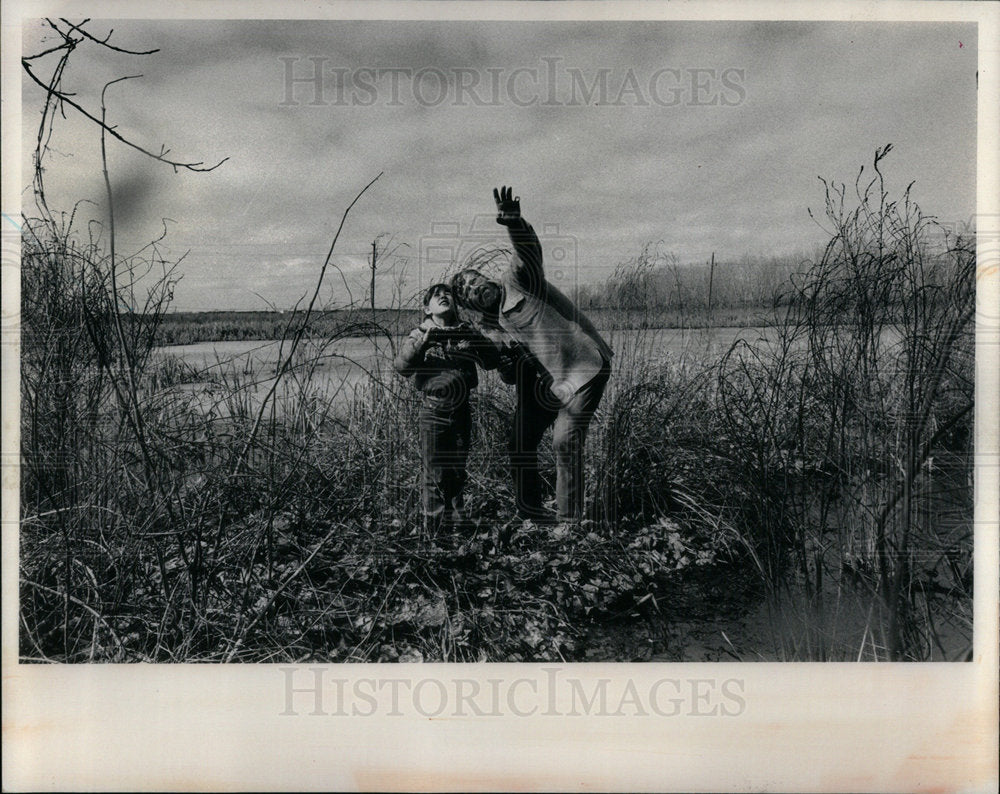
x,y
526,263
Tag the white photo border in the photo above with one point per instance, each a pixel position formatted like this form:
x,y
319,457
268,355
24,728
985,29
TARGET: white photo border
x,y
783,727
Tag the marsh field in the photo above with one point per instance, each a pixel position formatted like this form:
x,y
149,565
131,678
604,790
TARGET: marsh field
x,y
786,476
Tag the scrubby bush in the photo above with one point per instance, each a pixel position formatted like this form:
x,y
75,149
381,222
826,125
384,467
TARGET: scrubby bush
x,y
173,514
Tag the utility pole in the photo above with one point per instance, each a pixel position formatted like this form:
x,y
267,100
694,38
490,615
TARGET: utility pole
x,y
374,318
374,257
711,279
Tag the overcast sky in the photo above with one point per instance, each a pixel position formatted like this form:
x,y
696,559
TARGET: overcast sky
x,y
708,136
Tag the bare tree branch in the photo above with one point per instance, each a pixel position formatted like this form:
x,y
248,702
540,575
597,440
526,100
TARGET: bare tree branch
x,y
300,331
104,42
56,96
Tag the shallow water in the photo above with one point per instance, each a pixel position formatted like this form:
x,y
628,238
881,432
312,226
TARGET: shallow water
x,y
334,369
370,355
767,632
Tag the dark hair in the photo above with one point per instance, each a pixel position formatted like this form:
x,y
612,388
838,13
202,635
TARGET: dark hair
x,y
429,292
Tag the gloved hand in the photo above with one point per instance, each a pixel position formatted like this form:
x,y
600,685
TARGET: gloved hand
x,y
436,335
510,358
508,207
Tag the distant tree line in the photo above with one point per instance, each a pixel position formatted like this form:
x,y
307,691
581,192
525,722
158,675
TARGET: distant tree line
x,y
656,279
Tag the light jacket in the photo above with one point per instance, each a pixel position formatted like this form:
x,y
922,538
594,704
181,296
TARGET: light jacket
x,y
553,331
445,366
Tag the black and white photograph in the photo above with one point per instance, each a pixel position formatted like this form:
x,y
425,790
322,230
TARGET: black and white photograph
x,y
469,340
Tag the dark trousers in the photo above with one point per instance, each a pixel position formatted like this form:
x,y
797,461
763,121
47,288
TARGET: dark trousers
x,y
445,432
537,410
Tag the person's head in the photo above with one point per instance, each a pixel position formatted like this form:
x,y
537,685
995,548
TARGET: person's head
x,y
439,303
474,291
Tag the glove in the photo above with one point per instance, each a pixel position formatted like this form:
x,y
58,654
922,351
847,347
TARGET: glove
x,y
508,207
510,355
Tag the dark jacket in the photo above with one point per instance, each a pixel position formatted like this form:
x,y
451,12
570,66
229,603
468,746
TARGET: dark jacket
x,y
446,365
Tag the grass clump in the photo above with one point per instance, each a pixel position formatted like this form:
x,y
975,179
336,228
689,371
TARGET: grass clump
x,y
812,480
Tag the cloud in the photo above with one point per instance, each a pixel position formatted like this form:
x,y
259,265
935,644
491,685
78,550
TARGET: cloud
x,y
817,98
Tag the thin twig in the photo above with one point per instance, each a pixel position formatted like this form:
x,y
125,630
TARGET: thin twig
x,y
288,579
63,98
81,604
300,332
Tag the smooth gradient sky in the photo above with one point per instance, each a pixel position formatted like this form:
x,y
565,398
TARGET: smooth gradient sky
x,y
728,162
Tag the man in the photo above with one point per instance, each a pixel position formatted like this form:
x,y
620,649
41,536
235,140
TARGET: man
x,y
561,364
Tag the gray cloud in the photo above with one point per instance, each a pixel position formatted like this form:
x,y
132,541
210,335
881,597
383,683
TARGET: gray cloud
x,y
818,98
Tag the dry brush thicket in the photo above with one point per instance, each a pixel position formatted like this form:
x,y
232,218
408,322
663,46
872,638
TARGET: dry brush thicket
x,y
824,470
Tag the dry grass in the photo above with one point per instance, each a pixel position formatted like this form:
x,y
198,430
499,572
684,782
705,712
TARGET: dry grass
x,y
823,471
